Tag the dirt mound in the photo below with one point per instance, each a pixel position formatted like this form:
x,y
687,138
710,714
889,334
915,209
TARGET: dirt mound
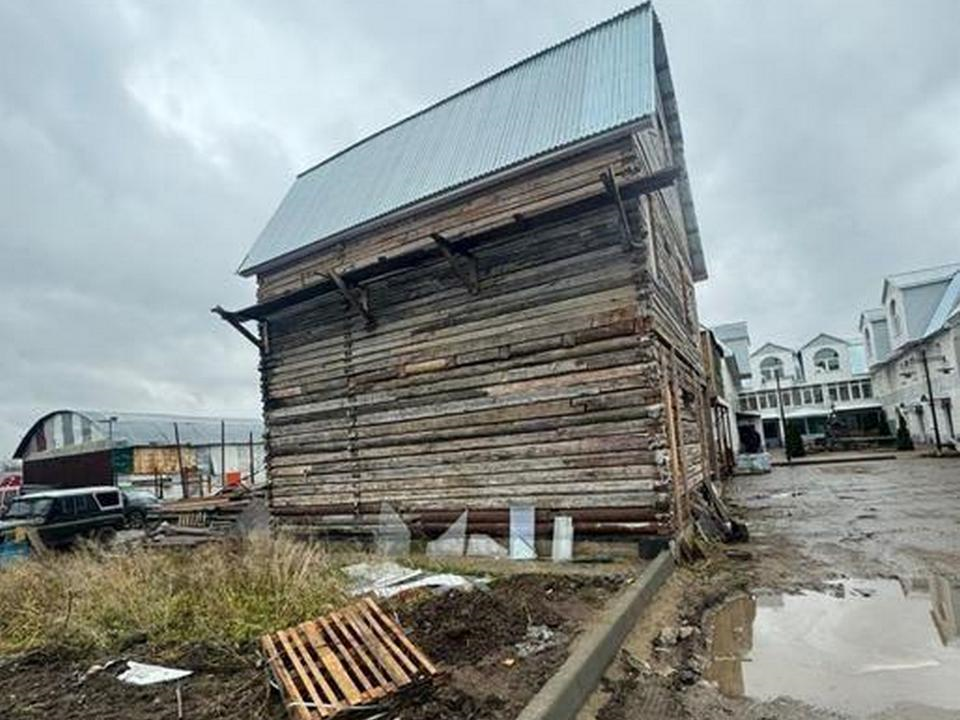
x,y
472,636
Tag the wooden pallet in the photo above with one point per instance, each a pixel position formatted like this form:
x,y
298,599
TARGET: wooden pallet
x,y
347,658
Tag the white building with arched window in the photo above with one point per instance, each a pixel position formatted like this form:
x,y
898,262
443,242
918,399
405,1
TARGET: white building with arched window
x,y
827,376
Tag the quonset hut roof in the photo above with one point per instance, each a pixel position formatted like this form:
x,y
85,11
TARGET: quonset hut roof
x,y
593,83
144,429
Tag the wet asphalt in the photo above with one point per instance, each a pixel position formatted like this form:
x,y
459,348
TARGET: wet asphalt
x,y
862,519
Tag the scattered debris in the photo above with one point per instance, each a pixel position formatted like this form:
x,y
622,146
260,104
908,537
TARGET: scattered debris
x,y
752,464
95,669
668,637
538,639
143,674
226,512
170,535
386,579
344,660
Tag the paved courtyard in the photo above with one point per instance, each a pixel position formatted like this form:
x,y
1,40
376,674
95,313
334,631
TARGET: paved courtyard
x,y
889,517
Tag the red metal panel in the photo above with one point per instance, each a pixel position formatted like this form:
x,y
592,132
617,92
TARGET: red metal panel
x,y
69,471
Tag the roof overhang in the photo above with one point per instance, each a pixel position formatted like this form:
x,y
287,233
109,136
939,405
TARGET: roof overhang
x,y
450,196
266,309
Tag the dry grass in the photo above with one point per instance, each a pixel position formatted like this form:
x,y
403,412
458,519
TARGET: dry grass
x,y
220,594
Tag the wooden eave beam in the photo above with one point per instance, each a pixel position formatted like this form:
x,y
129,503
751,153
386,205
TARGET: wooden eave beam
x,y
355,297
631,188
237,325
464,264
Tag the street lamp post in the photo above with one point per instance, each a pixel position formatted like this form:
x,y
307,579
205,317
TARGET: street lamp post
x,y
783,417
933,407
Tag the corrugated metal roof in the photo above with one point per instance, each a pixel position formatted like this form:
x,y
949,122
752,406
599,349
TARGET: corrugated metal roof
x,y
594,82
949,302
154,429
142,429
925,276
731,331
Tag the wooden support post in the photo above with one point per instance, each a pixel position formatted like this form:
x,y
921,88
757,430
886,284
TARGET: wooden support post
x,y
355,297
183,478
223,454
237,325
458,259
253,470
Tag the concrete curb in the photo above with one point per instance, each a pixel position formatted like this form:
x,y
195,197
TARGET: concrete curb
x,y
834,461
565,692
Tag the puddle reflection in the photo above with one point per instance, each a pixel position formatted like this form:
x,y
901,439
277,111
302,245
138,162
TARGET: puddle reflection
x,y
870,646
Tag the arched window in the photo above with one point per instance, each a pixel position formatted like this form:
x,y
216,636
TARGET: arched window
x,y
895,318
826,360
771,367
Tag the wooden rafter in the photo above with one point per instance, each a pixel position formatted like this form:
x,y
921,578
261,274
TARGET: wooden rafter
x,y
232,319
355,297
463,263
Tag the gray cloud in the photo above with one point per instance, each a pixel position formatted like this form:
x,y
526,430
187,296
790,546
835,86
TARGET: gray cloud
x,y
143,146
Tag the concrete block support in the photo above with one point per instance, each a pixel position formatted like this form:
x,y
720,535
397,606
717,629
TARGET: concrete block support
x,y
564,694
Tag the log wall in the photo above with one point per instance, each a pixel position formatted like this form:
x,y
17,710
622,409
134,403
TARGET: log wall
x,y
570,380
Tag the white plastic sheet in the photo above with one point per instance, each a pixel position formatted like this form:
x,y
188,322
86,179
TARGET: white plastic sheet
x,y
393,535
562,548
386,579
479,545
453,543
144,674
523,533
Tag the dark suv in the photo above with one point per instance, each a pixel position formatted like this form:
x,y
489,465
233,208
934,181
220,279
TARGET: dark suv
x,y
139,506
59,517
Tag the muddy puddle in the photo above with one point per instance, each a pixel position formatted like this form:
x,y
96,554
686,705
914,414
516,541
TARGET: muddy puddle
x,y
865,648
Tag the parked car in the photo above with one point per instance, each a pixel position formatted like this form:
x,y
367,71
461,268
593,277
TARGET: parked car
x,y
138,505
60,517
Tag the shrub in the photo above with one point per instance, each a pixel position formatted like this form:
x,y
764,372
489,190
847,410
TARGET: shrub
x,y
794,441
904,441
219,594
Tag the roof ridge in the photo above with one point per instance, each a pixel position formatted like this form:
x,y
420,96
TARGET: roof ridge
x,y
944,266
646,5
121,414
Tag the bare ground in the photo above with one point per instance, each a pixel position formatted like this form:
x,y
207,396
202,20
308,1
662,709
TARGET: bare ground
x,y
472,636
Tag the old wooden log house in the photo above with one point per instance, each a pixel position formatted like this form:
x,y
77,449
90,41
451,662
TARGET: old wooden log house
x,y
491,303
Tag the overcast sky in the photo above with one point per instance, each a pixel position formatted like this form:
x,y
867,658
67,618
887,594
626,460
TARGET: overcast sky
x,y
143,145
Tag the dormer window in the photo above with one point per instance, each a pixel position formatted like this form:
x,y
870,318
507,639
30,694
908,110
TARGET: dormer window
x,y
826,360
895,318
867,345
771,367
